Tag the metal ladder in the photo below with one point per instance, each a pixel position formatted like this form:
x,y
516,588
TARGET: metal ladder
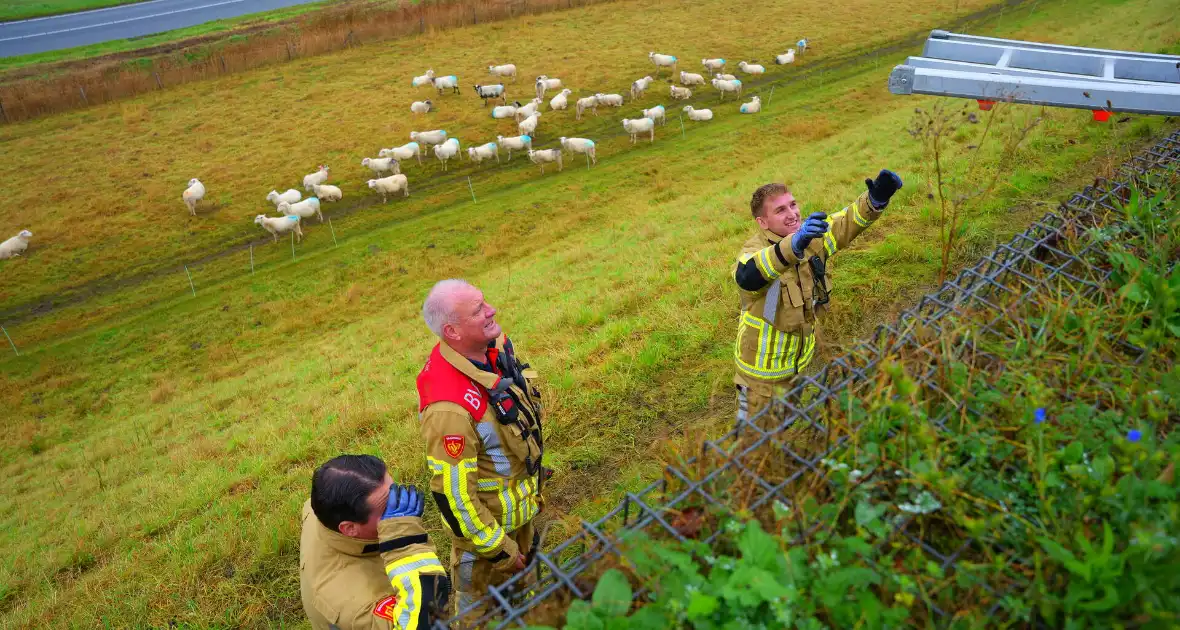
x,y
989,69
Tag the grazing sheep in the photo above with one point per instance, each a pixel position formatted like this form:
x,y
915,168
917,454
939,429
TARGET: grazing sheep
x,y
662,61
291,196
580,145
307,208
16,245
404,152
785,58
698,114
421,107
450,81
590,102
751,68
447,150
691,78
382,164
656,113
437,136
327,192
638,126
725,77
506,70
419,81
680,93
639,86
528,126
713,65
527,109
561,101
484,152
194,193
491,91
610,100
544,84
546,156
753,107
803,44
318,177
389,185
279,225
515,143
724,86
505,111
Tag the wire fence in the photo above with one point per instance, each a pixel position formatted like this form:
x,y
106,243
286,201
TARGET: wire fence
x,y
1058,249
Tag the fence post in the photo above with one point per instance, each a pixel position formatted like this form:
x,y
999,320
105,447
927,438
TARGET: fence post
x,y
334,243
2,112
10,341
159,85
288,50
223,71
292,245
771,97
190,281
682,136
251,258
82,90
474,16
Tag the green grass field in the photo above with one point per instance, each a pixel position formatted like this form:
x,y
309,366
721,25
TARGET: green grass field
x,y
157,446
24,9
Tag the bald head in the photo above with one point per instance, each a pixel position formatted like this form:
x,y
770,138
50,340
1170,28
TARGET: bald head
x,y
456,312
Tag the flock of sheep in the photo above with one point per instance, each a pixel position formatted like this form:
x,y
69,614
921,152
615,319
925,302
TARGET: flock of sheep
x,y
389,180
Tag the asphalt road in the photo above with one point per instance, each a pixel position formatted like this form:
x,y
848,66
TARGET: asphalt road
x,y
132,20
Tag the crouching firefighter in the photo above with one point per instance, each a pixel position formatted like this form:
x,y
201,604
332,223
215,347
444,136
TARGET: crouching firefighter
x,y
481,420
784,287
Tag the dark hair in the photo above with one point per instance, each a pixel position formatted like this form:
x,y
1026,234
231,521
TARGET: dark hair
x,y
340,489
763,193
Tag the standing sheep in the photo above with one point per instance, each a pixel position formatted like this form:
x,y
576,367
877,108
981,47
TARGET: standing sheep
x,y
491,91
751,68
698,114
307,208
691,78
528,126
327,192
506,70
546,156
753,107
638,126
713,65
279,225
291,196
656,113
424,79
484,152
437,136
194,193
639,86
724,86
680,93
382,164
515,143
590,102
447,150
16,245
580,145
448,82
662,61
561,101
544,84
610,100
785,58
421,107
318,177
389,185
404,152
803,45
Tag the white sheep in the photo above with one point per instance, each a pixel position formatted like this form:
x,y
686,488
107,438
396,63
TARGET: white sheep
x,y
515,143
528,126
561,101
318,177
421,107
279,225
656,113
327,192
691,78
382,164
484,152
544,83
680,93
662,61
725,77
698,114
785,58
447,150
753,107
404,152
638,126
495,90
307,208
724,86
506,70
588,102
421,80
505,111
437,136
291,196
194,193
713,65
546,156
442,83
527,109
751,68
16,245
389,185
639,86
610,100
580,145
803,44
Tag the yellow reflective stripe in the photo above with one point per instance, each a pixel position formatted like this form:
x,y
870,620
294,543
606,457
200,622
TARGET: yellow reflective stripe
x,y
763,346
425,562
764,367
743,257
486,538
856,216
405,576
776,362
808,351
829,243
765,266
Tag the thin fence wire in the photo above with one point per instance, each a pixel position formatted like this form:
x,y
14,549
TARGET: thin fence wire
x,y
1057,250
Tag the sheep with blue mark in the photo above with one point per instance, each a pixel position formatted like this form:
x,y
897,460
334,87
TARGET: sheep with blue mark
x,y
307,208
723,86
581,145
515,143
662,61
528,126
751,68
424,79
388,185
404,152
448,82
639,125
803,44
753,107
436,136
713,65
280,225
484,152
505,111
656,113
447,150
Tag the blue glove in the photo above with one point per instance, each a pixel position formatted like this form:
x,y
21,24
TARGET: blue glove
x,y
881,190
403,501
813,227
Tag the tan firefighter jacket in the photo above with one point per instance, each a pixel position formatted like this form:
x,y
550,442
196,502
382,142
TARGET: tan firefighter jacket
x,y
776,337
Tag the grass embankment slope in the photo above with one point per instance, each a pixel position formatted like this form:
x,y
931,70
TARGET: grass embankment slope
x,y
169,440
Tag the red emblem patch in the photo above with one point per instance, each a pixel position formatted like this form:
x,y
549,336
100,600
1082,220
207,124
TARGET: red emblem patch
x,y
453,445
384,608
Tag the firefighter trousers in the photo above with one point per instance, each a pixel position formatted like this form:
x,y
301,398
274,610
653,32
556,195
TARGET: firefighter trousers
x,y
472,574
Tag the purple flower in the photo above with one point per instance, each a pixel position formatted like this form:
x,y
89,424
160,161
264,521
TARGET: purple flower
x,y
1039,416
1134,435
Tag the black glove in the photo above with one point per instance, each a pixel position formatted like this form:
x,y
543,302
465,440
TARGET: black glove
x,y
882,190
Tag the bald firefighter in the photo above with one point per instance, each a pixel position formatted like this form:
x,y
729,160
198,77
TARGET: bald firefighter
x,y
365,562
781,276
481,421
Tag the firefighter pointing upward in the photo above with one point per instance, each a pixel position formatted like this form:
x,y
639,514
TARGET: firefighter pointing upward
x,y
781,276
481,420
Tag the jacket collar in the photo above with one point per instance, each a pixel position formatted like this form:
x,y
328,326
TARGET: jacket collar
x,y
461,363
358,547
770,236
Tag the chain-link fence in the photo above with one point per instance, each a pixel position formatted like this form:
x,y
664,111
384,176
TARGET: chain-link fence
x,y
1055,251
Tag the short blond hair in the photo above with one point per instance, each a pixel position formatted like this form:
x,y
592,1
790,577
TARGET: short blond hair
x,y
763,193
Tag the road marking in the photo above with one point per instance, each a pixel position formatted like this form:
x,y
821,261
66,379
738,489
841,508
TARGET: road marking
x,y
86,12
134,19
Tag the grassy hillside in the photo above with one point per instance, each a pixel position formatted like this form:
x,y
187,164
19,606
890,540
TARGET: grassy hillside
x,y
168,439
